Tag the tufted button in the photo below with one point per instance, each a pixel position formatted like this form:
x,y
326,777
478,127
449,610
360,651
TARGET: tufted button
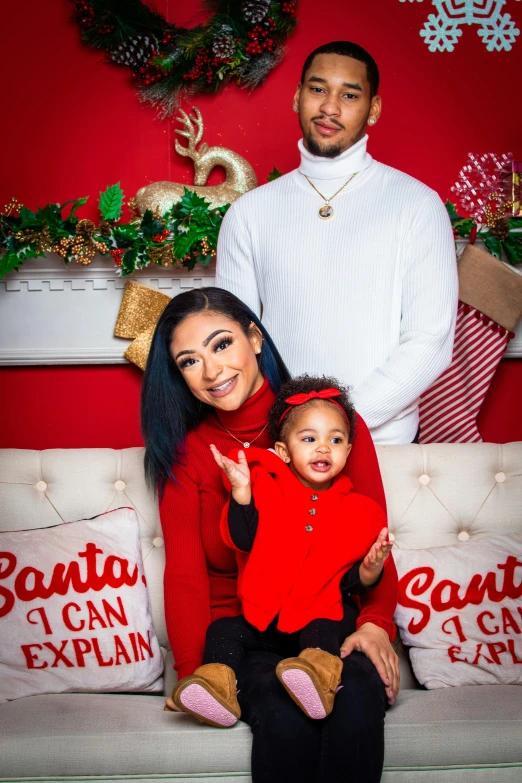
x,y
391,537
500,477
41,486
314,497
308,528
311,511
463,535
119,485
424,479
158,541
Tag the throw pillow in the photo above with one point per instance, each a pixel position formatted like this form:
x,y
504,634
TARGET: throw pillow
x,y
460,613
74,610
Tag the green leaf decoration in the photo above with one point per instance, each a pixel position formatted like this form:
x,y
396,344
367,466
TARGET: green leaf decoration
x,y
111,202
493,245
28,219
128,263
274,174
9,262
76,204
513,249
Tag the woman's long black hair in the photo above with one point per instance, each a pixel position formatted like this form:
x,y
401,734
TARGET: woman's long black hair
x,y
168,409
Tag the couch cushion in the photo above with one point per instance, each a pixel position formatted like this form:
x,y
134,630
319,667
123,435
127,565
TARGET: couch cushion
x,y
121,735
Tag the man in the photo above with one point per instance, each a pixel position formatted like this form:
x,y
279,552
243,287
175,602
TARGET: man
x,y
351,262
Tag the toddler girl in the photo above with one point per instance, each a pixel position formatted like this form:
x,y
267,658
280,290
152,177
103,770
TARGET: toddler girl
x,y
301,536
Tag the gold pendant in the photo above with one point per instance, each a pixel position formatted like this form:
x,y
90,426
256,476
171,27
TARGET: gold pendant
x,y
326,212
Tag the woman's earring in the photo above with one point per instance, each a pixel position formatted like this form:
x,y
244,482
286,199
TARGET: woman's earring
x,y
296,107
372,121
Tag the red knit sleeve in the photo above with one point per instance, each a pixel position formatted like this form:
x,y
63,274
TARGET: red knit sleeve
x,y
378,605
186,582
363,468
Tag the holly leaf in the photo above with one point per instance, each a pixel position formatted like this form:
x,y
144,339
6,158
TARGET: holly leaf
x,y
189,202
9,262
274,174
51,215
513,249
125,234
493,245
463,227
182,244
28,219
111,202
150,226
128,264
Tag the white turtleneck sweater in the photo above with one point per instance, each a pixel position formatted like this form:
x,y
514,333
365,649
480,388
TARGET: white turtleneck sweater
x,y
368,297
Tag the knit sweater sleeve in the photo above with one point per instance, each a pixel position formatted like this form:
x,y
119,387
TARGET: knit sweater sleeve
x,y
186,581
428,312
235,260
362,466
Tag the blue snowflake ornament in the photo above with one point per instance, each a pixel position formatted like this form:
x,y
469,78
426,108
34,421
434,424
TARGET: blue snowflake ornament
x,y
442,30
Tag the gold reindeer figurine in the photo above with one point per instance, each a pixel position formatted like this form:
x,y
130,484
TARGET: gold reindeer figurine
x,y
240,175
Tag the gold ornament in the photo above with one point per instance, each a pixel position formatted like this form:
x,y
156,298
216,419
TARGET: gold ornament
x,y
140,310
240,176
496,220
12,207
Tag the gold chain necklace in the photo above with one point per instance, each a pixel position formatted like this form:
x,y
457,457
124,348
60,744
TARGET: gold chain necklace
x,y
247,443
326,211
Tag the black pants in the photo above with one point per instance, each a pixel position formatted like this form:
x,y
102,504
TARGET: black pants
x,y
290,747
229,639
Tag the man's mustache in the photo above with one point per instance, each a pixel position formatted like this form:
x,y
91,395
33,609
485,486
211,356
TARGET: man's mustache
x,y
330,121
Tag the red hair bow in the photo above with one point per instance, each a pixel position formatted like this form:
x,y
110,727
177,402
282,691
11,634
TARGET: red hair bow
x,y
324,394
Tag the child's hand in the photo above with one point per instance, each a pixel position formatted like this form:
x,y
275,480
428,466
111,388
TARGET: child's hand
x,y
238,473
373,563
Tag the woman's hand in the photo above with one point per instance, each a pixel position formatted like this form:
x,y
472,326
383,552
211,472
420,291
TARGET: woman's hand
x,y
238,473
375,643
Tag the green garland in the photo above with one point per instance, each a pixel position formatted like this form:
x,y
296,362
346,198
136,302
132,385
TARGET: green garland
x,y
243,42
185,235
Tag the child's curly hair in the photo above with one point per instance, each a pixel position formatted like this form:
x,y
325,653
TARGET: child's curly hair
x,y
302,385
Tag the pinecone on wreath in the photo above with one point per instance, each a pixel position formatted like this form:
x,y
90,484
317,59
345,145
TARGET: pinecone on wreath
x,y
255,11
224,45
136,52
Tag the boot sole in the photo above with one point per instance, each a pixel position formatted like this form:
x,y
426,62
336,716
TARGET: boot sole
x,y
199,702
301,688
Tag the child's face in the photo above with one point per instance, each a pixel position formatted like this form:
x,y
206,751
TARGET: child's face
x,y
316,444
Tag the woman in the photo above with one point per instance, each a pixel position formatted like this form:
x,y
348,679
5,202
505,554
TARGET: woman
x,y
211,377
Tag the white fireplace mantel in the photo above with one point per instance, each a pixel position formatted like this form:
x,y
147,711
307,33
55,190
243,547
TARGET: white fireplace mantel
x,y
53,313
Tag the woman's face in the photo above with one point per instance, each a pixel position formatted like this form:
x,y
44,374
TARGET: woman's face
x,y
217,360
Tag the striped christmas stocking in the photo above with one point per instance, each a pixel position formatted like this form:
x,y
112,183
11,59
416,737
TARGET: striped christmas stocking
x,y
449,409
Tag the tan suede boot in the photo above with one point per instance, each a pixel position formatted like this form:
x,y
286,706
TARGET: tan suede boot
x,y
311,679
210,695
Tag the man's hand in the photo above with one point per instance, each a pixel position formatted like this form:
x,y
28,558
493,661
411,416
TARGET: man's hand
x,y
375,644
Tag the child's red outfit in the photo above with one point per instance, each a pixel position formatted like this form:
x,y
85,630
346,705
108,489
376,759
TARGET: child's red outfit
x,y
305,541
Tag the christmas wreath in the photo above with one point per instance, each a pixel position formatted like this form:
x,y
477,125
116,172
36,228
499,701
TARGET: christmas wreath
x,y
243,41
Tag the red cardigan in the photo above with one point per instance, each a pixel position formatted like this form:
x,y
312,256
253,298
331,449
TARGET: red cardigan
x,y
305,542
200,582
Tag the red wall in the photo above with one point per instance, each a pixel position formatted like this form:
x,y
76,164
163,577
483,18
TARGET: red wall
x,y
73,124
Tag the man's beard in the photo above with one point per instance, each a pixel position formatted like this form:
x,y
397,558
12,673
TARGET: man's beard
x,y
328,151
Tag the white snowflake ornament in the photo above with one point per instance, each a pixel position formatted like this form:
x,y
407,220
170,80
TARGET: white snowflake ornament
x,y
442,30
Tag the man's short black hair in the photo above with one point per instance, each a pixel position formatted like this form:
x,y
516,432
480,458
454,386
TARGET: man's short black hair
x,y
348,49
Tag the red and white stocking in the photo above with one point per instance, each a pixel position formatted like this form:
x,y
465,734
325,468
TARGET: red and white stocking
x,y
449,408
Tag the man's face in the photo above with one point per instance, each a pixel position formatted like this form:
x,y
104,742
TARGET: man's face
x,y
334,104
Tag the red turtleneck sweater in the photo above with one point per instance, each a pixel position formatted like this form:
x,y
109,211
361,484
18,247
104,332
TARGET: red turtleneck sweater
x,y
201,571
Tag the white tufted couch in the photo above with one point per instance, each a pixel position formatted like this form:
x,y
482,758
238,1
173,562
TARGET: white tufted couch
x,y
436,495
